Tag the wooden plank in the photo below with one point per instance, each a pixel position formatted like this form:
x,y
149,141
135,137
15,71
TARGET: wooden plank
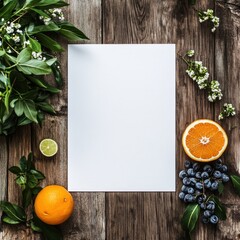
x,y
227,49
3,174
157,215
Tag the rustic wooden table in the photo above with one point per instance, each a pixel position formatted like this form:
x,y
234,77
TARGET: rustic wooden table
x,y
138,216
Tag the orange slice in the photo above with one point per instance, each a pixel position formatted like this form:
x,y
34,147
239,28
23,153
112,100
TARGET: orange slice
x,y
204,140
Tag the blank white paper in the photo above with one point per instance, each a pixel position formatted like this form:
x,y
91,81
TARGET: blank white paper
x,y
121,117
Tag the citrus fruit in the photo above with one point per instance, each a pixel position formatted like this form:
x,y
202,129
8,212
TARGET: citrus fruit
x,y
48,147
53,204
204,140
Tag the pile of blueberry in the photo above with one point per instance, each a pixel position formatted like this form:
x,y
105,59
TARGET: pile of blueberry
x,y
198,180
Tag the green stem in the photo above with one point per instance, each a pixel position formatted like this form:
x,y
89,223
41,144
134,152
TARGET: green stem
x,y
183,59
7,68
19,17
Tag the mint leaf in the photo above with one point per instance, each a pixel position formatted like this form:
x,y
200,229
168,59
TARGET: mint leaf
x,y
236,183
190,217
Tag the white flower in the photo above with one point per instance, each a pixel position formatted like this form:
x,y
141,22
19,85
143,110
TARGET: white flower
x,y
190,53
16,39
9,29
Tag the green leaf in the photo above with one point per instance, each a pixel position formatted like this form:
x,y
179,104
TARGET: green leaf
x,y
35,67
3,79
57,74
23,163
47,4
220,188
35,45
39,175
27,197
2,52
23,121
21,181
70,32
6,99
51,27
11,58
190,217
15,170
46,107
6,11
34,227
36,190
31,3
30,164
40,12
18,109
32,181
220,210
13,211
9,220
29,110
236,183
50,232
41,83
24,56
51,61
49,43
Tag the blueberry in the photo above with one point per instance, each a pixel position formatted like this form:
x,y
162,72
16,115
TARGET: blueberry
x,y
224,168
207,213
214,219
188,198
204,175
214,185
207,183
218,166
210,205
203,205
207,168
196,167
186,181
184,189
190,190
198,193
199,185
187,164
225,178
193,181
190,172
217,174
183,174
181,195
198,175
200,200
205,220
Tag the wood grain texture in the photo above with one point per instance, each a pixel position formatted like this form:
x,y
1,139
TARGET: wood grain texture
x,y
140,216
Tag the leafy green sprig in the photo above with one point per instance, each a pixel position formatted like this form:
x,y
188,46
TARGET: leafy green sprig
x,y
29,30
28,178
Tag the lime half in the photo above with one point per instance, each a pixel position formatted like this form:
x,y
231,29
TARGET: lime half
x,y
48,147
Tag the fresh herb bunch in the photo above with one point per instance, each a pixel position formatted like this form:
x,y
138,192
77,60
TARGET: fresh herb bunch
x,y
28,31
202,184
28,178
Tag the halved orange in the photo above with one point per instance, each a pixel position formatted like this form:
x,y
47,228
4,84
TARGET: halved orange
x,y
204,140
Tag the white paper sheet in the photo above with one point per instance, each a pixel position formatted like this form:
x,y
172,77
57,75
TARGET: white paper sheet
x,y
121,117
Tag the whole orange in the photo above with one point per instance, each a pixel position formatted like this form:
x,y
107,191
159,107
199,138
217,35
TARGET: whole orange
x,y
53,204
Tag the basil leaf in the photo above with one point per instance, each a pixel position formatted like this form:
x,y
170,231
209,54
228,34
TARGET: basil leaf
x,y
23,163
23,121
13,211
70,32
190,217
24,56
6,11
15,170
220,210
29,110
35,67
236,183
36,190
18,108
21,181
37,174
49,43
9,220
27,197
34,227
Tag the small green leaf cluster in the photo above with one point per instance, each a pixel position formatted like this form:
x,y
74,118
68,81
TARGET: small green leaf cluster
x,y
28,178
227,111
208,15
202,185
28,47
